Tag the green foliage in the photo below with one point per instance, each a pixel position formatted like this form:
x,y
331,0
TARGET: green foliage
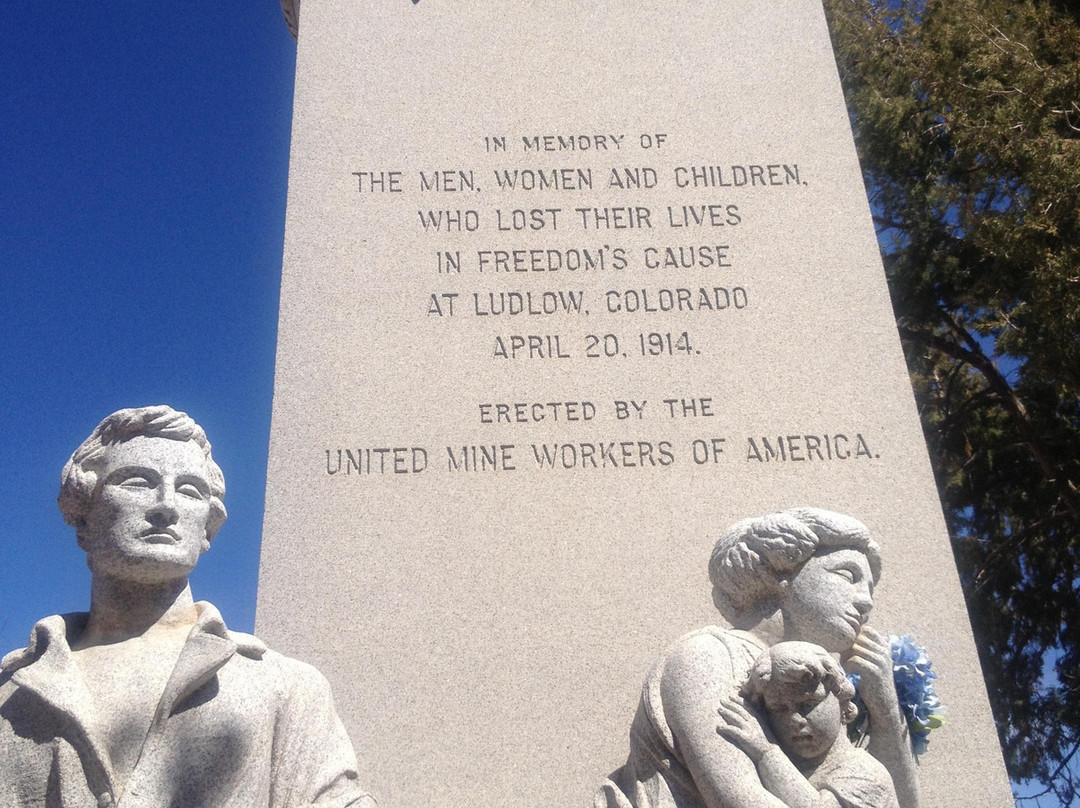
x,y
966,114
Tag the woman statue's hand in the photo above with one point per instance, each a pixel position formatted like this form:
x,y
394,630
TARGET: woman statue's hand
x,y
871,658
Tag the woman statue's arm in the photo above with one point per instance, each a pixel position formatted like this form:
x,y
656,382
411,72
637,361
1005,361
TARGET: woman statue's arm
x,y
890,743
696,679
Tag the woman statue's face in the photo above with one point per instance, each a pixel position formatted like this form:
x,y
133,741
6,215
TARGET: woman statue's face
x,y
829,599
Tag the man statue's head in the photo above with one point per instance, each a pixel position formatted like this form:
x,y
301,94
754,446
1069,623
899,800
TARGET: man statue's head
x,y
144,495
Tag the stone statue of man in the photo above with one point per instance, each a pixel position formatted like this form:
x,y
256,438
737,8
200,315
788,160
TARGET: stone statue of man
x,y
148,700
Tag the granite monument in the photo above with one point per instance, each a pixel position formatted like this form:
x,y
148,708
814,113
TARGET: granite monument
x,y
568,288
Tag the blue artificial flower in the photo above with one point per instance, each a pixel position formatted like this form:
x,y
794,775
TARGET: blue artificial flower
x,y
919,703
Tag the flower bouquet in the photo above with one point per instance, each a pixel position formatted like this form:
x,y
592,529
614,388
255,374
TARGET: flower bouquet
x,y
919,703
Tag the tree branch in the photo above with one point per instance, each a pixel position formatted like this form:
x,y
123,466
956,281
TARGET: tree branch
x,y
972,354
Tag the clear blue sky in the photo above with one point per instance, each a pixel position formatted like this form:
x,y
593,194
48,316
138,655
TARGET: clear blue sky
x,y
143,167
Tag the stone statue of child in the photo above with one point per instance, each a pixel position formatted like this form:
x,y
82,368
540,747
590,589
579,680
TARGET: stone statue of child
x,y
802,574
148,700
806,700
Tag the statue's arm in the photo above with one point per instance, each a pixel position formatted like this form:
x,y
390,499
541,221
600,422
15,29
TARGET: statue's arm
x,y
889,742
778,774
696,680
782,778
314,762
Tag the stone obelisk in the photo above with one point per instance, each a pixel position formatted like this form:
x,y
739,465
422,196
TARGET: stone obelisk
x,y
569,288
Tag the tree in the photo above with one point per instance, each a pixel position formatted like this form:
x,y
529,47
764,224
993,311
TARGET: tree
x,y
966,114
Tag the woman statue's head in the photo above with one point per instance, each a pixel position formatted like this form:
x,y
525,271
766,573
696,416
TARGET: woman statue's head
x,y
815,567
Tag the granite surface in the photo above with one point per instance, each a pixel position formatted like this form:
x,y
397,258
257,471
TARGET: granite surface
x,y
568,289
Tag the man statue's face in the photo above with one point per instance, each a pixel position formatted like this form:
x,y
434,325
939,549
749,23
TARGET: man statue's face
x,y
147,519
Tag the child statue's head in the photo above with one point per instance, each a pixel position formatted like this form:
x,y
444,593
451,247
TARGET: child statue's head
x,y
805,695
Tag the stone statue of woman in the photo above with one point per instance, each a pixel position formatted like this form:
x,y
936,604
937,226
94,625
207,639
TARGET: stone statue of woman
x,y
803,574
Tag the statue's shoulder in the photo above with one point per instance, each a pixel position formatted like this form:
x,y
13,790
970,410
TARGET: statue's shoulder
x,y
52,631
292,675
248,645
855,777
712,645
709,659
255,662
49,636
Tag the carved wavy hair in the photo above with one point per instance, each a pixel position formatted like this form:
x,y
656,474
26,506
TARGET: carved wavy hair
x,y
79,479
752,557
803,664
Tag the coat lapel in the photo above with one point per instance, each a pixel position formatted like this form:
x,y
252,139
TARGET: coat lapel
x,y
207,649
47,669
